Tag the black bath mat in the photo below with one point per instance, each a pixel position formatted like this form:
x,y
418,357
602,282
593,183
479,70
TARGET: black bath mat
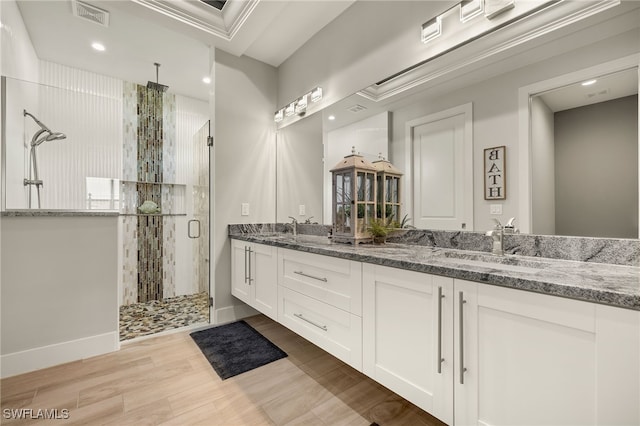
x,y
235,348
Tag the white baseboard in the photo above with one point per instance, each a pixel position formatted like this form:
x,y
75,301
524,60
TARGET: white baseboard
x,y
59,353
233,313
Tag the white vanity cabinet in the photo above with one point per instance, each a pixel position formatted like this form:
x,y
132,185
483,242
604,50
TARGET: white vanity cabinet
x,y
408,336
536,359
478,354
320,298
254,276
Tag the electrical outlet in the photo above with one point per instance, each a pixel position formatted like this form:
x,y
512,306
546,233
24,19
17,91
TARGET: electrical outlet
x,y
245,209
495,209
301,210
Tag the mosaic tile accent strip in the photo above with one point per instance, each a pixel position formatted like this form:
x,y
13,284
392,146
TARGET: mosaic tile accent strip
x,y
169,137
129,292
154,316
130,130
150,171
169,256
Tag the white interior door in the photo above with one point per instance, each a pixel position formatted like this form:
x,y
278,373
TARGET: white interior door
x,y
442,176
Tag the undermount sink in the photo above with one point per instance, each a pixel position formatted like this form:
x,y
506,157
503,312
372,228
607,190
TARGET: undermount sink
x,y
502,263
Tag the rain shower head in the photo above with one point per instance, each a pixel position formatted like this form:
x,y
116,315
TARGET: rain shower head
x,y
50,136
157,86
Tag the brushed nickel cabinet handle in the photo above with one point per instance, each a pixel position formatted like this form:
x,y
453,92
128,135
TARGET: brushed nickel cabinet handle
x,y
440,360
461,303
322,327
310,276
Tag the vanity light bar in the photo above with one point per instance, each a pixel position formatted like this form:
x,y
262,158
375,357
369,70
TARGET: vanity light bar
x,y
299,105
469,9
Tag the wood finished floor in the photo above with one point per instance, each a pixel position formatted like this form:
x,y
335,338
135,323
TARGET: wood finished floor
x,y
167,381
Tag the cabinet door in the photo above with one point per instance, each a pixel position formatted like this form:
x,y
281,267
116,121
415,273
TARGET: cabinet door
x,y
240,273
407,336
264,279
527,358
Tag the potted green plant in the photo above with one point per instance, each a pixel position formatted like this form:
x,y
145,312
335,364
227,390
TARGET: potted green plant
x,y
379,230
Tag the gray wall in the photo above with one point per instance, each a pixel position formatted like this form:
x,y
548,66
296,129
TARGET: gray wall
x,y
300,170
597,169
59,280
243,159
543,208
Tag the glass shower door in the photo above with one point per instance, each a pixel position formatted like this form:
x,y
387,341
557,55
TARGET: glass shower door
x,y
198,225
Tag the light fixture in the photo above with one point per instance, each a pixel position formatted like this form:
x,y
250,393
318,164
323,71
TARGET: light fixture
x,y
206,80
469,9
589,82
332,117
493,8
98,46
299,106
431,29
290,109
316,94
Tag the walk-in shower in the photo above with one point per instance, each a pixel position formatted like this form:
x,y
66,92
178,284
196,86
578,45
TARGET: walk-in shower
x,y
41,136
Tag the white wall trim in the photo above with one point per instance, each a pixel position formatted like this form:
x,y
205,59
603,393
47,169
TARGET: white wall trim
x,y
524,120
233,313
59,353
467,111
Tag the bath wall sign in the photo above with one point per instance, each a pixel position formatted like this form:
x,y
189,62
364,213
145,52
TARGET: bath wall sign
x,y
495,180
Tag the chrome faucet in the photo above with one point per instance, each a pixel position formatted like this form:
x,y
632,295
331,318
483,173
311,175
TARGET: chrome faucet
x,y
498,235
294,225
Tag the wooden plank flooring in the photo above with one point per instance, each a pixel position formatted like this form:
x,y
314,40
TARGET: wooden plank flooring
x,y
167,381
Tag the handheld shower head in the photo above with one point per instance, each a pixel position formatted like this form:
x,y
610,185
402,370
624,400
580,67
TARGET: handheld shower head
x,y
35,141
55,137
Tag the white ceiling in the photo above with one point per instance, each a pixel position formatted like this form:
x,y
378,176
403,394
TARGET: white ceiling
x,y
178,34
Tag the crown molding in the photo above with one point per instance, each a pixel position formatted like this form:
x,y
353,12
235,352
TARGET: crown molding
x,y
223,24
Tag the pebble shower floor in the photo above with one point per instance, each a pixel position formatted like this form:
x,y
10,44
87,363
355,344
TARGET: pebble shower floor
x,y
141,319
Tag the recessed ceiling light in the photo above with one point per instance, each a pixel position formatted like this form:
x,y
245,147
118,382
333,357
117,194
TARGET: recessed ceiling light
x,y
98,46
206,80
331,117
589,82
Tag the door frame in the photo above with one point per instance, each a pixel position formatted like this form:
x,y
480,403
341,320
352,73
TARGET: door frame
x,y
408,191
524,124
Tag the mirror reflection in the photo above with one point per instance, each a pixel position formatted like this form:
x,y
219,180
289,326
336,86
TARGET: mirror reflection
x,y
584,158
582,201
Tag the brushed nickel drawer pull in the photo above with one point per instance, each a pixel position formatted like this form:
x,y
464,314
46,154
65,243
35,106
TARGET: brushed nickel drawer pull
x,y
321,327
461,302
310,276
439,358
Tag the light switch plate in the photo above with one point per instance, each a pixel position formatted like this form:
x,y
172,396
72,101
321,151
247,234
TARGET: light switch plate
x,y
245,209
301,210
495,209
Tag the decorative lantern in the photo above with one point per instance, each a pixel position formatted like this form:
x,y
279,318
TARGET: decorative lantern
x,y
388,191
354,199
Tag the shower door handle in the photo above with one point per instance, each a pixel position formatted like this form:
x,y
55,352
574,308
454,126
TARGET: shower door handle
x,y
193,225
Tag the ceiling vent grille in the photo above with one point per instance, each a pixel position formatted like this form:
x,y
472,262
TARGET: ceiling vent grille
x,y
357,108
597,94
90,13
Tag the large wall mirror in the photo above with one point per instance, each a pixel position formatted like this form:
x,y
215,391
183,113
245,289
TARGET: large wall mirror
x,y
492,90
584,157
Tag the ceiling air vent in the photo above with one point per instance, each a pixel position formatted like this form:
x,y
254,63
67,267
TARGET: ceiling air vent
x,y
357,108
600,93
90,13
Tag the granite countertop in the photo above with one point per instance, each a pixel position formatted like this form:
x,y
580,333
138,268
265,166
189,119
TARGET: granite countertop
x,y
608,284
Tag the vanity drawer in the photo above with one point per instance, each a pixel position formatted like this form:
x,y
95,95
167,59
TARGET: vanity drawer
x,y
332,280
334,330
